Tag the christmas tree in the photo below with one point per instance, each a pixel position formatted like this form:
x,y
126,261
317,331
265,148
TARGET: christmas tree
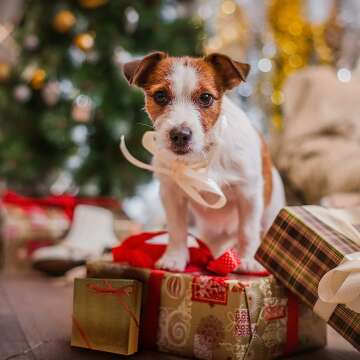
x,y
65,103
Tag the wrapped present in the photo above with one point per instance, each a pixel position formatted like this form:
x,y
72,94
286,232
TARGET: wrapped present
x,y
315,252
42,218
106,315
211,317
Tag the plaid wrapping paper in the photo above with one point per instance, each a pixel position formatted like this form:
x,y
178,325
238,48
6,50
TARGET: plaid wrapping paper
x,y
299,249
210,317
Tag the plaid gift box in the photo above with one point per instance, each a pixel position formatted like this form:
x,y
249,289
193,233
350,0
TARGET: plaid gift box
x,y
304,244
212,317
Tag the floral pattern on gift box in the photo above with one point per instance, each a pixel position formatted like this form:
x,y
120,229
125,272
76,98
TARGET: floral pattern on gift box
x,y
255,300
236,350
211,290
266,286
274,333
208,336
175,324
257,350
239,323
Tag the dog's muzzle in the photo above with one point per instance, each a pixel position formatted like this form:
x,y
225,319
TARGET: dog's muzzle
x,y
180,139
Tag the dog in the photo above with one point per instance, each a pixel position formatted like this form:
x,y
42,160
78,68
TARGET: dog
x,y
194,121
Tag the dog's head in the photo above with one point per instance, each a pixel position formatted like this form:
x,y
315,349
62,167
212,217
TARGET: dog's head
x,y
183,98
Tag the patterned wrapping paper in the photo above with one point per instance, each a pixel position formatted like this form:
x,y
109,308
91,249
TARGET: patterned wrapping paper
x,y
299,249
210,317
106,315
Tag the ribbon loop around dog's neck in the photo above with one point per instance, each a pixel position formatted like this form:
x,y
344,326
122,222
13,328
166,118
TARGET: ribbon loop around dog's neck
x,y
189,177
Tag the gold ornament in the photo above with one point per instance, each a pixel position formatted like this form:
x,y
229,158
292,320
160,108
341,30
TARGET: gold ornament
x,y
5,70
63,21
92,4
38,78
292,35
297,40
232,31
84,41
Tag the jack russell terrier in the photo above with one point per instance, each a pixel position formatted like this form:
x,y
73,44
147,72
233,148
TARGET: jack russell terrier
x,y
195,122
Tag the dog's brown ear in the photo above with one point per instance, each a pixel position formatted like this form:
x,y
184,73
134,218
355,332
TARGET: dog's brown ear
x,y
230,72
137,71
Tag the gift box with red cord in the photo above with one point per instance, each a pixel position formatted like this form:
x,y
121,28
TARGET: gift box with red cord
x,y
203,315
315,252
106,315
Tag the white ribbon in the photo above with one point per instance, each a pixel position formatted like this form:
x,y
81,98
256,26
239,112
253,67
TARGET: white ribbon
x,y
191,178
340,285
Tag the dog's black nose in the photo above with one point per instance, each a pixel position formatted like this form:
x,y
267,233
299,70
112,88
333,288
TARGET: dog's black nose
x,y
180,137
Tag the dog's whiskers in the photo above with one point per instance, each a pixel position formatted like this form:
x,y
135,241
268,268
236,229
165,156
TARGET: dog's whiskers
x,y
148,125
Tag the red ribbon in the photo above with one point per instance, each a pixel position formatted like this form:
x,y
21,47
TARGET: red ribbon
x,y
66,202
136,251
292,339
150,322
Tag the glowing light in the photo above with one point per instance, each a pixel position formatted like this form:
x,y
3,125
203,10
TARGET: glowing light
x,y
245,90
344,75
265,65
228,7
277,97
132,15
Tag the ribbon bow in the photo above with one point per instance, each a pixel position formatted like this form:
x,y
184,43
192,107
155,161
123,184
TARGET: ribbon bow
x,y
340,285
191,178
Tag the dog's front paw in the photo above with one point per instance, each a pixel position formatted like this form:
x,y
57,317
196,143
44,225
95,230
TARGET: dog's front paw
x,y
248,265
174,259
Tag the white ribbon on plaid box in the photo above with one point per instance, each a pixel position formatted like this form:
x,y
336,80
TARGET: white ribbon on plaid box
x,y
340,285
191,178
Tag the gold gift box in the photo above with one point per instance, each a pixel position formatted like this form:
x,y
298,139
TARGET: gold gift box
x,y
106,315
209,317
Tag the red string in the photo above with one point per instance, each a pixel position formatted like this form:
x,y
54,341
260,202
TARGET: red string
x,y
82,333
119,293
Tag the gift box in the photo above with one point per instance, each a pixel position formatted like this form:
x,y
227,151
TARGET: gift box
x,y
211,317
315,252
46,218
106,315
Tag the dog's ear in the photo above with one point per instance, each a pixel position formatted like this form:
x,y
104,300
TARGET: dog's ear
x,y
230,72
137,71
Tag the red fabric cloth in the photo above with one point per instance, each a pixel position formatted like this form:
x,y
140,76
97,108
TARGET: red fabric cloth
x,y
137,252
66,202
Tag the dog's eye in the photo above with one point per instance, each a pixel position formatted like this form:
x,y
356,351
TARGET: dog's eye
x,y
206,99
161,97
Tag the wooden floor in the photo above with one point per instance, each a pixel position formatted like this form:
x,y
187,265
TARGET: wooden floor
x,y
35,315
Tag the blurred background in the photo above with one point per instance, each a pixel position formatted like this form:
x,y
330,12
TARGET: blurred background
x,y
64,103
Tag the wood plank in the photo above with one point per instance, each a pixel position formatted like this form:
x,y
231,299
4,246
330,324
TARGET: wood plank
x,y
12,338
35,323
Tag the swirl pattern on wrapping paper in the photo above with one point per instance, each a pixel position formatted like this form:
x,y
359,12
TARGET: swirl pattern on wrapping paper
x,y
178,329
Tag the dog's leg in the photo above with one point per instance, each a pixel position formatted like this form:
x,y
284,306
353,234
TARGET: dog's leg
x,y
176,255
250,211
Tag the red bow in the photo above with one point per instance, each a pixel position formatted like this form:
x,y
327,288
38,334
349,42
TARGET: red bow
x,y
136,251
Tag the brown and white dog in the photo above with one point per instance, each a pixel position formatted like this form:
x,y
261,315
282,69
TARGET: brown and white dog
x,y
194,121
